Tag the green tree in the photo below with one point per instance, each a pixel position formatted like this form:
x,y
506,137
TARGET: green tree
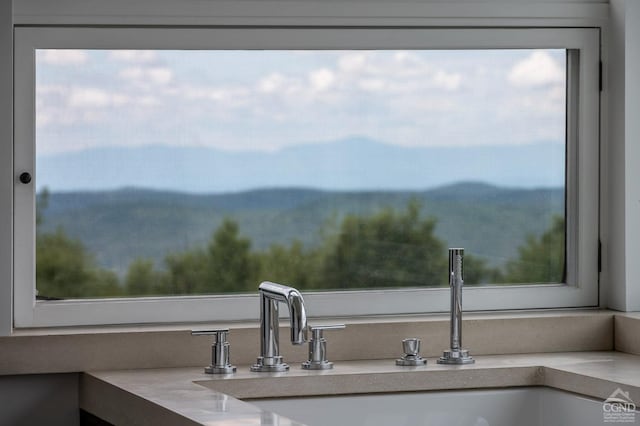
x,y
476,271
142,279
42,202
540,260
186,272
293,265
230,266
64,269
103,283
388,249
225,266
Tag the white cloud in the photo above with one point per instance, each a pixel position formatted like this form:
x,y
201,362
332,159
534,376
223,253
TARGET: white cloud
x,y
558,95
447,81
404,56
322,79
538,69
271,83
136,73
421,104
66,106
135,56
62,56
410,62
160,75
93,98
147,101
50,90
546,104
89,97
50,105
402,72
145,75
403,97
229,96
353,62
374,85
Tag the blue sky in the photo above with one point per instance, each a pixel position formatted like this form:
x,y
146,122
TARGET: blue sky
x,y
267,100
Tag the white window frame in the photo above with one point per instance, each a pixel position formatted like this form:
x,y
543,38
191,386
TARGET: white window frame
x,y
581,289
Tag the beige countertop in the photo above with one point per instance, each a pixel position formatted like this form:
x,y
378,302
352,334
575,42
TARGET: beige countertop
x,y
188,396
151,375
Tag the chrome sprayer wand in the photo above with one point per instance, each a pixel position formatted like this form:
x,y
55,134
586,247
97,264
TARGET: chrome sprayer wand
x,y
456,355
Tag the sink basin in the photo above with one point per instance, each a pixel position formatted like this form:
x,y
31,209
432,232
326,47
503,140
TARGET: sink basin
x,y
528,406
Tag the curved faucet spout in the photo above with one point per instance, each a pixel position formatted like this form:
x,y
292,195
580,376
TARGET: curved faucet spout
x,y
294,301
271,294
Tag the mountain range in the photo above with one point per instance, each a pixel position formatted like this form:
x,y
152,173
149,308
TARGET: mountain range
x,y
354,164
118,226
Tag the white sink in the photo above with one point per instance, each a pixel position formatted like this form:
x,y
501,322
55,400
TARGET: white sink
x,y
528,406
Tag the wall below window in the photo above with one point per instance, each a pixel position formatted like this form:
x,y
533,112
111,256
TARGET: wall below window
x,y
43,399
132,347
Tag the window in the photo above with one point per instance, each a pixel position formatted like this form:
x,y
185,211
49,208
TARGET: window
x,y
176,168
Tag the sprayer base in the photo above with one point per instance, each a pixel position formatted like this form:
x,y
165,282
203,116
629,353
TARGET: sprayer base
x,y
411,361
457,357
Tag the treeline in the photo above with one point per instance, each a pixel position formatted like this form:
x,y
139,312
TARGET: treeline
x,y
388,249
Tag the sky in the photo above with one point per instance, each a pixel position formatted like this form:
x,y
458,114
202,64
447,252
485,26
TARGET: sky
x,y
270,100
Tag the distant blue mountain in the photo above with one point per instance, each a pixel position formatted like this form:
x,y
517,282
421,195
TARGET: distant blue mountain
x,y
351,164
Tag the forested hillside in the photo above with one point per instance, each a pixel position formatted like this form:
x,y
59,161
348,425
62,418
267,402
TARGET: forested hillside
x,y
117,226
141,242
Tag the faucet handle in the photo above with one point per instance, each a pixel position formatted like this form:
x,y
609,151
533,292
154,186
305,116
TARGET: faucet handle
x,y
411,355
220,350
316,330
220,333
318,348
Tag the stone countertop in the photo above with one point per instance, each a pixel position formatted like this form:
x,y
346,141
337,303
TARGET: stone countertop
x,y
187,396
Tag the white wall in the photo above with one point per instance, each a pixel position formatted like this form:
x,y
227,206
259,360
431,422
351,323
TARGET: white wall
x,y
632,154
622,191
6,172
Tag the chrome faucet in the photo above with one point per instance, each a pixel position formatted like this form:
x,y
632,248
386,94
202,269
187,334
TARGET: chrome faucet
x,y
270,295
456,355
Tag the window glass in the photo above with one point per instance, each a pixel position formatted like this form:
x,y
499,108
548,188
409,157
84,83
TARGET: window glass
x,y
164,172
